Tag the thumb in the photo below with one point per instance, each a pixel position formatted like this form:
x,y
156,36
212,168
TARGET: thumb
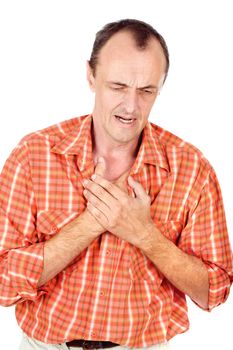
x,y
138,188
100,166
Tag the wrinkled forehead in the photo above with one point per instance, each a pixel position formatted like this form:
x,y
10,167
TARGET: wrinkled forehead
x,y
121,56
121,49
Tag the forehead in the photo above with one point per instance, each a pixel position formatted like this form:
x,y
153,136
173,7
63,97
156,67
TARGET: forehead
x,y
123,42
120,54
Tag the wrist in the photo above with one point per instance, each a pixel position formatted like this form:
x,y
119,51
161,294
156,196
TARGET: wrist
x,y
92,225
148,238
152,240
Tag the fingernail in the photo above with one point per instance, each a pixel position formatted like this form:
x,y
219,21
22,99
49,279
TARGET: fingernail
x,y
93,177
100,159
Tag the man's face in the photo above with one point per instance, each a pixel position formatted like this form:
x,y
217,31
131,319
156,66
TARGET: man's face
x,y
126,84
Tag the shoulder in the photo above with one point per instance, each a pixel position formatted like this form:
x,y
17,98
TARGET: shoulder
x,y
37,141
170,140
56,131
181,155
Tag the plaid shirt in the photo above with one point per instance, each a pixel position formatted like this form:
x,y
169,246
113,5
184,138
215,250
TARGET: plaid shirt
x,y
111,291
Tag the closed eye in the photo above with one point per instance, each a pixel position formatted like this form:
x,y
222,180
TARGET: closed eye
x,y
149,91
117,86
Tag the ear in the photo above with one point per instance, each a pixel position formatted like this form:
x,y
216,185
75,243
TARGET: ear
x,y
90,77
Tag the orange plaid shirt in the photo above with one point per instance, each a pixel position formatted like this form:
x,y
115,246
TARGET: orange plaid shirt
x,y
111,291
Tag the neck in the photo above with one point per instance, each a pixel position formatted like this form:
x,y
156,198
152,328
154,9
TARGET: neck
x,y
110,149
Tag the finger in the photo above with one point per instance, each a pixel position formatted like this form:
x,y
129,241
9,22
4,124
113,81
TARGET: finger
x,y
99,192
97,202
98,215
138,189
109,187
100,167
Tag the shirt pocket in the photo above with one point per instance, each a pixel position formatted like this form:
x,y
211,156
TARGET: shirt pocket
x,y
49,222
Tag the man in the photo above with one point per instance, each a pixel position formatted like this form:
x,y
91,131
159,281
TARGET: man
x,y
107,220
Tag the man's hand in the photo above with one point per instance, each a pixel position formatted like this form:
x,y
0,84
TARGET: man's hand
x,y
122,215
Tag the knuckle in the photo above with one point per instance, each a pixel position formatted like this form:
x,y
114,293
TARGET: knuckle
x,y
94,201
98,214
99,191
88,184
87,194
89,208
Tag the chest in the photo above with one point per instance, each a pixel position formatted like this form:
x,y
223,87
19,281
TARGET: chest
x,y
58,186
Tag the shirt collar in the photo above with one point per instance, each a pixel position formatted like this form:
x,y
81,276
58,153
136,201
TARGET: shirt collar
x,y
151,150
79,142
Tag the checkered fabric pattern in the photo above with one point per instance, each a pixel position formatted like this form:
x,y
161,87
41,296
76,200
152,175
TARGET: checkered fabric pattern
x,y
111,291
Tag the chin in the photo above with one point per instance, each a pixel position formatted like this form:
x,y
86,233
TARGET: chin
x,y
125,138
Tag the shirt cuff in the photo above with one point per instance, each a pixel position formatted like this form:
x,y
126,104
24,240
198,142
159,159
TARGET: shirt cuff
x,y
25,266
219,285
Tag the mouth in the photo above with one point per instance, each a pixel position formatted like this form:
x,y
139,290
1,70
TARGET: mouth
x,y
125,120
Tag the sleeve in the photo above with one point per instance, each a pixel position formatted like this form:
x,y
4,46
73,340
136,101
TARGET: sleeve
x,y
21,255
205,236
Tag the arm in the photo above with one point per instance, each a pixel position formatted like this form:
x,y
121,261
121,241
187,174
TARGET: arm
x,y
21,261
187,273
205,236
28,267
73,238
201,264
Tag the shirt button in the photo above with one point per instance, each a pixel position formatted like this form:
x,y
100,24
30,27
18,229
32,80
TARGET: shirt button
x,y
102,294
54,228
108,252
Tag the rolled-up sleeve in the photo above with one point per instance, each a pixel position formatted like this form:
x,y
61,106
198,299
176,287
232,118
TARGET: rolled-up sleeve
x,y
21,254
206,237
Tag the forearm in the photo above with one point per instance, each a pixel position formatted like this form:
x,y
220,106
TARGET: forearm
x,y
60,250
187,273
24,270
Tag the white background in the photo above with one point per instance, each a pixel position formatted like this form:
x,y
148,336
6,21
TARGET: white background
x,y
44,45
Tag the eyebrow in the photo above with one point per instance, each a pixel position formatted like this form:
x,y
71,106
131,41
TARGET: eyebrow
x,y
139,88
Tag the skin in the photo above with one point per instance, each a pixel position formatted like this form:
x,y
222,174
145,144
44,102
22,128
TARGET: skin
x,y
126,83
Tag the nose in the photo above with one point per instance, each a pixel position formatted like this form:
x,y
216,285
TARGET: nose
x,y
131,102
